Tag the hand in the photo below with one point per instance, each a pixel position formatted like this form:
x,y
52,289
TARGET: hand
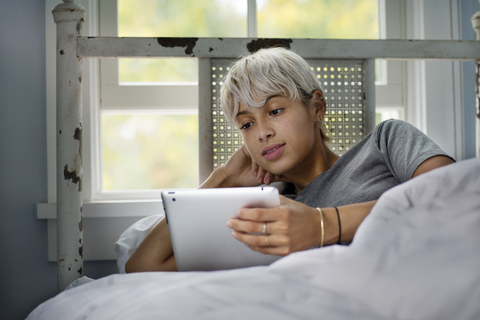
x,y
291,227
242,171
264,176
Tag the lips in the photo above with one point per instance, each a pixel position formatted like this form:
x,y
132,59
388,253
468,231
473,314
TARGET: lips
x,y
273,151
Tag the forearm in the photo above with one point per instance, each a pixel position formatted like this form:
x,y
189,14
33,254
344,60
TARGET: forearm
x,y
218,179
351,216
155,253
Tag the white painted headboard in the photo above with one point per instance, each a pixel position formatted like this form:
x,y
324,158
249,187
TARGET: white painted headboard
x,y
72,49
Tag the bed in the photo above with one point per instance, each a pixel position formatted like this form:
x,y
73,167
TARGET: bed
x,y
416,256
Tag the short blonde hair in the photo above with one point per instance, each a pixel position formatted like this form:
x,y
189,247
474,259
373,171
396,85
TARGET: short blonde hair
x,y
254,78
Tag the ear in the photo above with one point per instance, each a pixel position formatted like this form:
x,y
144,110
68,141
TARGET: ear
x,y
318,104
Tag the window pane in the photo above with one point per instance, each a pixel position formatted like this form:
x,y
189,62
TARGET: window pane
x,y
339,19
149,151
167,18
158,70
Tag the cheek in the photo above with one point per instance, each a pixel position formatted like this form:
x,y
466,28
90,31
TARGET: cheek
x,y
249,143
299,128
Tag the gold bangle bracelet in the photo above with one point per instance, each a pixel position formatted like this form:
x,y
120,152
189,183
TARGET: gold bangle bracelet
x,y
321,227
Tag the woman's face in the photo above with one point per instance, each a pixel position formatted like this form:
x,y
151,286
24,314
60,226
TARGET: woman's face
x,y
281,136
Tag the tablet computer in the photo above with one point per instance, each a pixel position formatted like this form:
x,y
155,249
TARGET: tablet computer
x,y
197,220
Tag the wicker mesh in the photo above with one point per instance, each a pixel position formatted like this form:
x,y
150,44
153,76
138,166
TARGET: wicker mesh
x,y
342,81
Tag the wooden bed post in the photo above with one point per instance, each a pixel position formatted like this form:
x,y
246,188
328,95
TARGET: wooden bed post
x,y
476,27
69,17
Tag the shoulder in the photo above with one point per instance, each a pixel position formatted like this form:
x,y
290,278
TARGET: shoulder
x,y
394,129
393,126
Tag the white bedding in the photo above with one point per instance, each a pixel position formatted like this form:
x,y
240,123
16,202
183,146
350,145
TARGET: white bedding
x,y
416,256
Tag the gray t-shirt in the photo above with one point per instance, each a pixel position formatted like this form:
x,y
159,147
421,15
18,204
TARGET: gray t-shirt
x,y
383,159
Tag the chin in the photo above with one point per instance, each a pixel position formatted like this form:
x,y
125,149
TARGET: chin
x,y
276,169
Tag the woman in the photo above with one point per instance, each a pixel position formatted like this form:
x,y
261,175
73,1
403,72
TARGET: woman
x,y
275,100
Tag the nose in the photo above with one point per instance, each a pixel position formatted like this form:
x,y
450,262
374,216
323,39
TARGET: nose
x,y
264,132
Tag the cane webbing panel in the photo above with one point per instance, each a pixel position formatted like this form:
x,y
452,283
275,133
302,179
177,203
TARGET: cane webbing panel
x,y
342,82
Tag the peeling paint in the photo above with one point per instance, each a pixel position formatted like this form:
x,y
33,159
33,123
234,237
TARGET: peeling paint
x,y
80,251
70,175
187,43
477,88
210,50
80,271
80,79
258,44
80,227
77,134
79,27
62,52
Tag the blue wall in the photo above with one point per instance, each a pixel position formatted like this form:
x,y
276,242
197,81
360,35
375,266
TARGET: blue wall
x,y
26,278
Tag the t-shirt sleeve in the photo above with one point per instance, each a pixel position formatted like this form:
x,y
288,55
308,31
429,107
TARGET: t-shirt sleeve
x,y
404,147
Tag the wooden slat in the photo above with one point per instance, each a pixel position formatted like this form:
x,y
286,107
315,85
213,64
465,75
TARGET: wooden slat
x,y
308,48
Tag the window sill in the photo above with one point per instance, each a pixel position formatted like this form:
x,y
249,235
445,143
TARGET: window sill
x,y
103,223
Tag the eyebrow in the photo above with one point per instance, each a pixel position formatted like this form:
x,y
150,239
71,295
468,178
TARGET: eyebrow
x,y
241,113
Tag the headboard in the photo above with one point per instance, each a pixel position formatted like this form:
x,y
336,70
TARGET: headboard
x,y
328,58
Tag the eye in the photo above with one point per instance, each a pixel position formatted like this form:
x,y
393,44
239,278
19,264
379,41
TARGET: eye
x,y
276,112
246,126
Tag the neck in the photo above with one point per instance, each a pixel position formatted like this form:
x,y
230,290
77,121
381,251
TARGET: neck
x,y
320,161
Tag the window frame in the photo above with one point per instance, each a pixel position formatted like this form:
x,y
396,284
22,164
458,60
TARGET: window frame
x,y
96,73
115,96
394,24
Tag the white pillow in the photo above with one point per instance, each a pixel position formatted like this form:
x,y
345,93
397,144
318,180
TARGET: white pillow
x,y
131,239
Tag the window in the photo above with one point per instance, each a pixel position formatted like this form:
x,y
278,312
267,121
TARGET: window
x,y
155,94
134,102
139,96
396,19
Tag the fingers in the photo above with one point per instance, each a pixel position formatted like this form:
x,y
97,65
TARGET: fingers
x,y
246,226
268,244
264,176
255,167
262,214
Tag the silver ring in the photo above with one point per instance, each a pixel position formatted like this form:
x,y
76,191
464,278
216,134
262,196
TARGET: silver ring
x,y
264,140
264,228
268,242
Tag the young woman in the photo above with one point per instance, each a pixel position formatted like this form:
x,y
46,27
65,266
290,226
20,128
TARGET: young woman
x,y
275,100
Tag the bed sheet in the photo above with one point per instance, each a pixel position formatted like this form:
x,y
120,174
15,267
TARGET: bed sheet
x,y
416,256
